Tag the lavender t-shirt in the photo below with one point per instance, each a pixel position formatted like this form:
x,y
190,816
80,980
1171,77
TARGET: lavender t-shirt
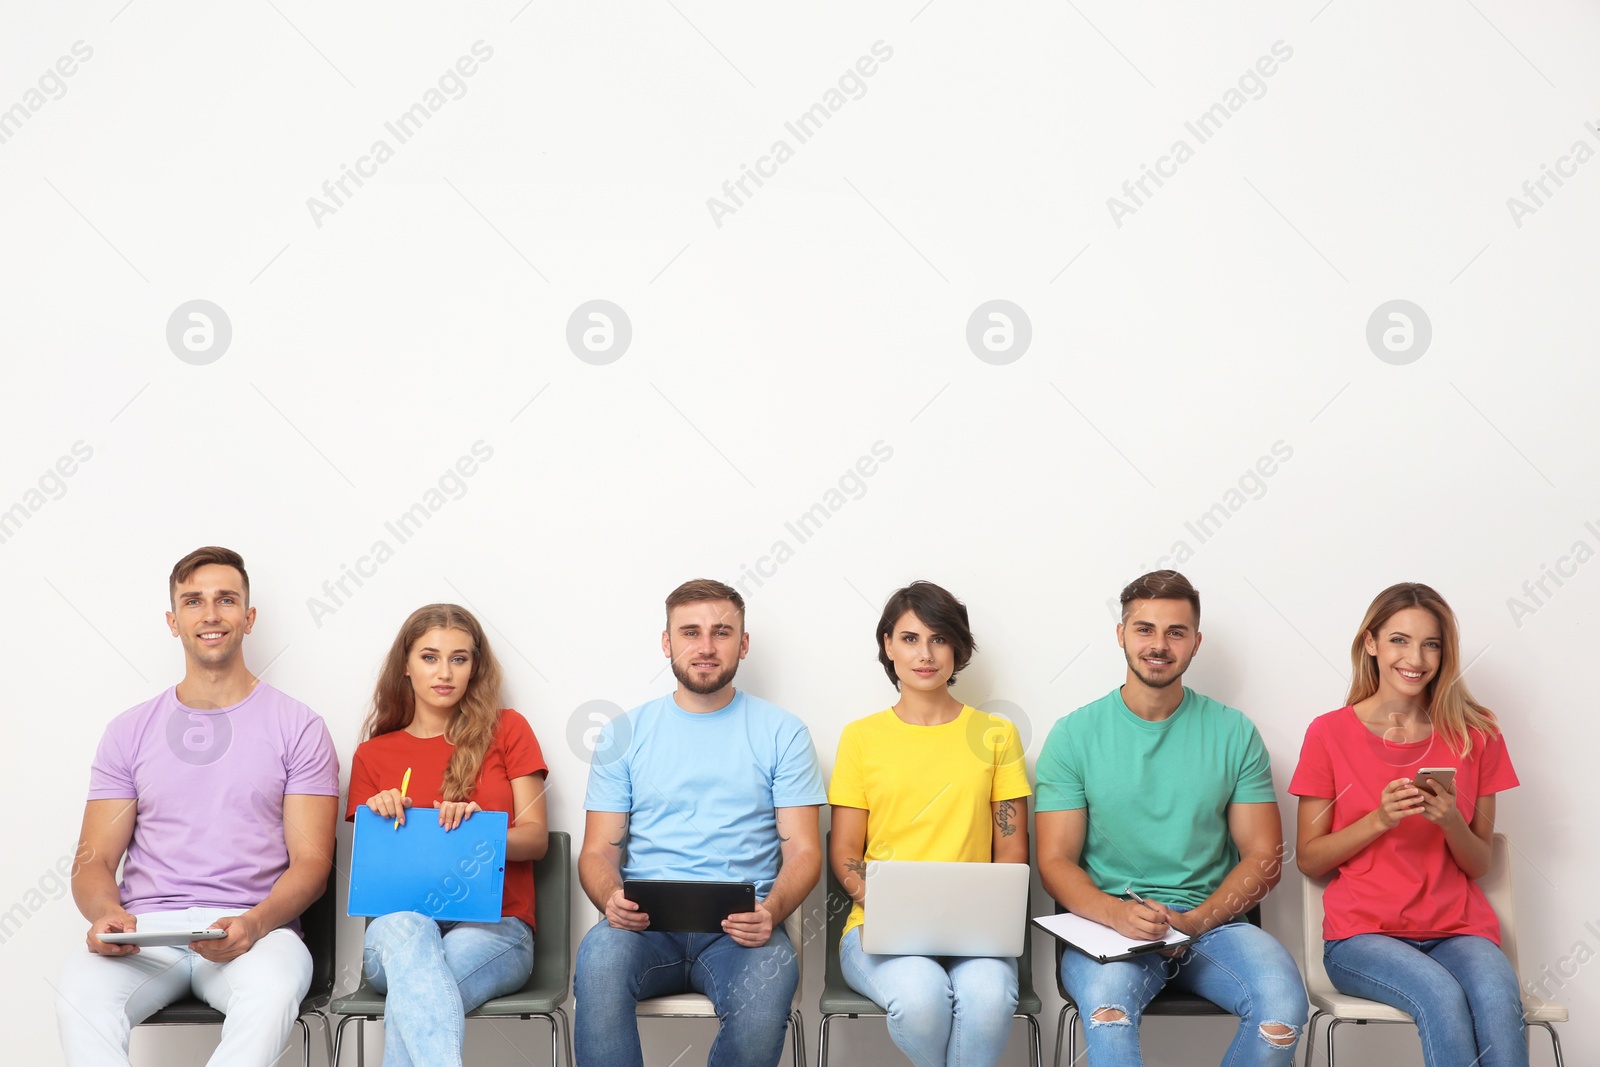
x,y
210,788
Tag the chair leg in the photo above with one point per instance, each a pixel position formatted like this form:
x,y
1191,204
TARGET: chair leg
x,y
1062,1024
1311,1034
1555,1042
1035,1044
305,1040
798,1037
822,1040
1333,1024
566,1028
338,1038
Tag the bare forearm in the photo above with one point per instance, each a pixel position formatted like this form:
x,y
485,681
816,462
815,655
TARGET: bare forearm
x,y
600,877
1470,851
294,891
797,877
527,843
1071,886
1321,854
94,890
1244,887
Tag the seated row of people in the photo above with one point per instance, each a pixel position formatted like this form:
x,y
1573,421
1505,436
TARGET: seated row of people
x,y
1155,812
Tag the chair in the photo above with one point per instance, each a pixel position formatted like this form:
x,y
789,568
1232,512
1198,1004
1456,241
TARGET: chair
x,y
1340,1008
839,999
1170,1001
698,1006
540,997
318,926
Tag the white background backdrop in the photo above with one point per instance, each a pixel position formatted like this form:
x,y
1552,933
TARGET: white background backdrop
x,y
1171,348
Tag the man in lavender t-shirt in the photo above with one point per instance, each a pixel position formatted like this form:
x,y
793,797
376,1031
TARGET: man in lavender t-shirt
x,y
223,794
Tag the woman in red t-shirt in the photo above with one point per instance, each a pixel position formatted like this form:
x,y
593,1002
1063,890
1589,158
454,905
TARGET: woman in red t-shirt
x,y
437,712
1406,923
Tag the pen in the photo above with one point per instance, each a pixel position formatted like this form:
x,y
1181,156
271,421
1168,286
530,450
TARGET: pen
x,y
1126,892
405,783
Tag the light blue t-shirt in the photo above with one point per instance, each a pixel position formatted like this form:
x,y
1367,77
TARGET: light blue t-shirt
x,y
1157,793
701,789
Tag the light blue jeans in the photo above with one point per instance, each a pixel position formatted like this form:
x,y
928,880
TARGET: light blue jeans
x,y
433,973
1461,991
1238,966
752,990
944,1011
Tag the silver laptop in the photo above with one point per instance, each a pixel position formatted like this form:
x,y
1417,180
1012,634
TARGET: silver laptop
x,y
945,909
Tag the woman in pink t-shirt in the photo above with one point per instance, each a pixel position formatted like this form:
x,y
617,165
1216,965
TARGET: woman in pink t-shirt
x,y
1406,922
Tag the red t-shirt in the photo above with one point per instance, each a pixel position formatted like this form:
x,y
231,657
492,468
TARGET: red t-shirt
x,y
1406,883
380,763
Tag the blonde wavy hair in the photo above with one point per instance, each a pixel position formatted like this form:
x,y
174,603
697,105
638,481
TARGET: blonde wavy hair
x,y
1456,715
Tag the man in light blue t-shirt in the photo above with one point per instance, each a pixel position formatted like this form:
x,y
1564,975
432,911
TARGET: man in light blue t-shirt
x,y
1156,812
707,783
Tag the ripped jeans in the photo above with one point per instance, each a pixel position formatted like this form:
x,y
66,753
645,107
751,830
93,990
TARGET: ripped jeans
x,y
1238,966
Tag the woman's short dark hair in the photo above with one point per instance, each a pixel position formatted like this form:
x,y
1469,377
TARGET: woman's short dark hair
x,y
940,611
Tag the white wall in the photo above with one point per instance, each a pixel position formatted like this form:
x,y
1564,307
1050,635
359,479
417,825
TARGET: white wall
x,y
1171,348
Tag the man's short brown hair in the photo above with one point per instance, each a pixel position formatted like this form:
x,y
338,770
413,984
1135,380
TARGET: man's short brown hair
x,y
204,557
700,589
1161,585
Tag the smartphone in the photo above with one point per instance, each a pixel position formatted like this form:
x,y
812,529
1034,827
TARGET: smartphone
x,y
1445,776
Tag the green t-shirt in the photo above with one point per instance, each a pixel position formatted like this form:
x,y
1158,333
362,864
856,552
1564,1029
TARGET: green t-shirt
x,y
1157,793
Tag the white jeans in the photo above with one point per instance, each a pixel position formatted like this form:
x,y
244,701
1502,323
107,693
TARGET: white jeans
x,y
101,998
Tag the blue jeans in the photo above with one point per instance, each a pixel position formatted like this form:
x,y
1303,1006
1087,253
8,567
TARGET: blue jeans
x,y
1461,991
1237,966
752,990
433,973
943,1012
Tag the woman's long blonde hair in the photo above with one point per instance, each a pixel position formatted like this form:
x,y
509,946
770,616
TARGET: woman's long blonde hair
x,y
394,703
1456,716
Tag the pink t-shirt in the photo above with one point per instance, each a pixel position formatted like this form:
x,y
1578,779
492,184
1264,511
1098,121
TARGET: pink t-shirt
x,y
1406,883
210,786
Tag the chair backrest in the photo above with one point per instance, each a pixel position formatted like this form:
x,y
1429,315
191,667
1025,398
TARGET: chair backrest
x,y
319,924
1317,981
838,905
552,911
1503,897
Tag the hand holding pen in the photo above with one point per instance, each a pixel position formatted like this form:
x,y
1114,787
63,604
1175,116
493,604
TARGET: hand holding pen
x,y
392,803
1140,918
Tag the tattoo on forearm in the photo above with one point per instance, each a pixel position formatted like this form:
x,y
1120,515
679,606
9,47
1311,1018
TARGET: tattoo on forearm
x,y
1005,818
856,867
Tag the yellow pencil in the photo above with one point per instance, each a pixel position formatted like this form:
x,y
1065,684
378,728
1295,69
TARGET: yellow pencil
x,y
405,783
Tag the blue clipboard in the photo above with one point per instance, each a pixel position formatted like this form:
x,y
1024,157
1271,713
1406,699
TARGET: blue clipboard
x,y
458,876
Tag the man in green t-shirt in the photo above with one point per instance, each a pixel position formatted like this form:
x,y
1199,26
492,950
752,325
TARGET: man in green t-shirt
x,y
1156,811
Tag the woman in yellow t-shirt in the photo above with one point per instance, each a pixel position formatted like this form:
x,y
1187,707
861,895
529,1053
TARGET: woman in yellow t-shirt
x,y
929,779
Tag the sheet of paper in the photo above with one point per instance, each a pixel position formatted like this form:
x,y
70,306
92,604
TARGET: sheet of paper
x,y
1097,939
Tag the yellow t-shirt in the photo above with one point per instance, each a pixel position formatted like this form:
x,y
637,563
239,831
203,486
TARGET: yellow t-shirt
x,y
927,790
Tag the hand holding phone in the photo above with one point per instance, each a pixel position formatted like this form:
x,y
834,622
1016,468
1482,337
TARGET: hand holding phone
x,y
1445,777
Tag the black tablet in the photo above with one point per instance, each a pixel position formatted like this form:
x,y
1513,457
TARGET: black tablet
x,y
689,907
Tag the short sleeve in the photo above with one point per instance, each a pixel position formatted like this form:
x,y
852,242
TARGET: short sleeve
x,y
312,763
610,778
1060,777
111,773
1496,774
523,755
1313,776
1011,767
846,788
797,778
1253,784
